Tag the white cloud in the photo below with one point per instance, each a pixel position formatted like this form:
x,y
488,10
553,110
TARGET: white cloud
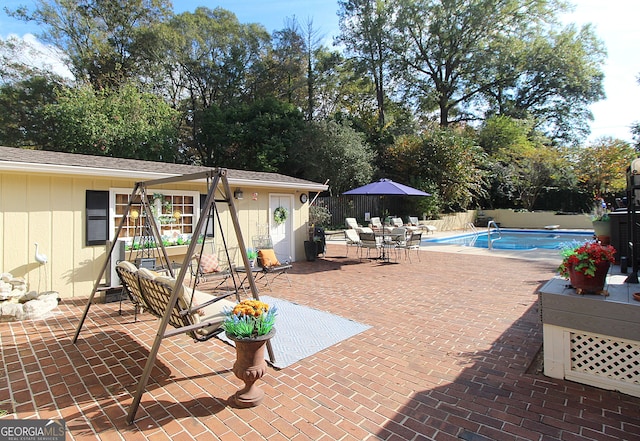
x,y
36,54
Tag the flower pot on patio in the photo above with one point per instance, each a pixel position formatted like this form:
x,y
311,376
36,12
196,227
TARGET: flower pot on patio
x,y
585,284
249,367
310,250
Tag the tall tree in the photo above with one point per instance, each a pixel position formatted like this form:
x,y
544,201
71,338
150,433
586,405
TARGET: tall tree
x,y
635,130
286,65
554,79
255,136
210,59
601,166
103,39
444,162
314,50
125,123
366,32
21,110
456,51
334,151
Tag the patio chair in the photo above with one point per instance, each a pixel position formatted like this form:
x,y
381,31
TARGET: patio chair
x,y
198,314
397,235
352,239
395,238
207,268
268,261
369,241
412,243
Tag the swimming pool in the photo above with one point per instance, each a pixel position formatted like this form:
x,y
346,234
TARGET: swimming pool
x,y
515,239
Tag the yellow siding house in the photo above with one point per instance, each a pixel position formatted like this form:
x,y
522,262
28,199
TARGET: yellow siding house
x,y
69,204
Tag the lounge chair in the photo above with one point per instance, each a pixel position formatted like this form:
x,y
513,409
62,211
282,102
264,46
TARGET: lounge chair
x,y
376,224
352,239
428,228
351,222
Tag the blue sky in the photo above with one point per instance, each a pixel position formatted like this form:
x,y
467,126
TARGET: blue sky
x,y
615,22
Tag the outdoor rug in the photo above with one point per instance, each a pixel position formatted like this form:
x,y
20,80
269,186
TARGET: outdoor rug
x,y
302,331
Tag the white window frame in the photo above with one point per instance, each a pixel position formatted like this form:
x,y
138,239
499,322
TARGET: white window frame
x,y
127,191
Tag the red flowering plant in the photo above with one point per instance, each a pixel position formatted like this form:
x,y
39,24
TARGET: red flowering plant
x,y
584,257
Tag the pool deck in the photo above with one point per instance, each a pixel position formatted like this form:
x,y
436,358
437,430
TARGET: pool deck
x,y
451,355
539,255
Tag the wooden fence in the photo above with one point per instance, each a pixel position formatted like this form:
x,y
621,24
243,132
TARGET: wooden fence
x,y
342,207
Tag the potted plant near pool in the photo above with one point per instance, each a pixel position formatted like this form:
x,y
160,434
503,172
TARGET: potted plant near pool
x,y
586,266
250,324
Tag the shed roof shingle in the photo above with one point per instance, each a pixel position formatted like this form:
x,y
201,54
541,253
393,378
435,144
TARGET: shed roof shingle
x,y
70,161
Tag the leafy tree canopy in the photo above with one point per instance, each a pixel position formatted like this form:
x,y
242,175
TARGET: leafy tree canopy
x,y
601,166
125,123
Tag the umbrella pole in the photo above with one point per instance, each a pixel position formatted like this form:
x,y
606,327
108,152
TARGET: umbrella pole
x,y
384,255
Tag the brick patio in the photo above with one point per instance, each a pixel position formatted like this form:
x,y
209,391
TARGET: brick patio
x,y
450,356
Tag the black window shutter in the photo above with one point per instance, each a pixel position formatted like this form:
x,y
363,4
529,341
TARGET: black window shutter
x,y
97,228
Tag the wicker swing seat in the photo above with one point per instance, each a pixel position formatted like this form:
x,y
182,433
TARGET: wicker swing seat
x,y
196,313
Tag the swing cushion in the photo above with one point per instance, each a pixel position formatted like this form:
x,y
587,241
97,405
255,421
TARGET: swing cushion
x,y
209,263
213,312
268,258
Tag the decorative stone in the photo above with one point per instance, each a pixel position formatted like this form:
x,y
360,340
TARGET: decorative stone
x,y
18,304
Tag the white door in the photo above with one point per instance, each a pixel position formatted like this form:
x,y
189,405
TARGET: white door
x,y
281,233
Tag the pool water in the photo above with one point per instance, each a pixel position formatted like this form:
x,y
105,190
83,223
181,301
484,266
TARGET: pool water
x,y
516,239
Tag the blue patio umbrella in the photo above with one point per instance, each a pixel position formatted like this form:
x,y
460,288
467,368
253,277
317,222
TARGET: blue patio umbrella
x,y
386,187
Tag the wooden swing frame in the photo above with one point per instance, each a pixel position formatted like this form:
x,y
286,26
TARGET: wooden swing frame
x,y
215,178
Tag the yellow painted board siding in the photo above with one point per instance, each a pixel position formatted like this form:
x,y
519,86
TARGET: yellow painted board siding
x,y
62,245
50,210
17,252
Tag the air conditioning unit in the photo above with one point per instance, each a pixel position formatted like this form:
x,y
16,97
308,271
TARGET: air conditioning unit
x,y
118,255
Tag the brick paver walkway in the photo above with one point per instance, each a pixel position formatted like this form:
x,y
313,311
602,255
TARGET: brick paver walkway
x,y
447,358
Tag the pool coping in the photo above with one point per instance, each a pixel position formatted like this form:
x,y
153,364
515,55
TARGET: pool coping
x,y
536,254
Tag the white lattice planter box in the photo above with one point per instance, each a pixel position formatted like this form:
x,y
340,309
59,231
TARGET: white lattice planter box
x,y
592,339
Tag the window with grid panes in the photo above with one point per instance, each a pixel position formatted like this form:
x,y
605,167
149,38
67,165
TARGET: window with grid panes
x,y
173,211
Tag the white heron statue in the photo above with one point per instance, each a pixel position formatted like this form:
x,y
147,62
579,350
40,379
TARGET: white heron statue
x,y
42,260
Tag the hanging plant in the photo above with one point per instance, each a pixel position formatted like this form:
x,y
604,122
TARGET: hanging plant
x,y
280,215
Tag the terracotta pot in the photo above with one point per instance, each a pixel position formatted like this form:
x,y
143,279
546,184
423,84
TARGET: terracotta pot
x,y
584,284
249,367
